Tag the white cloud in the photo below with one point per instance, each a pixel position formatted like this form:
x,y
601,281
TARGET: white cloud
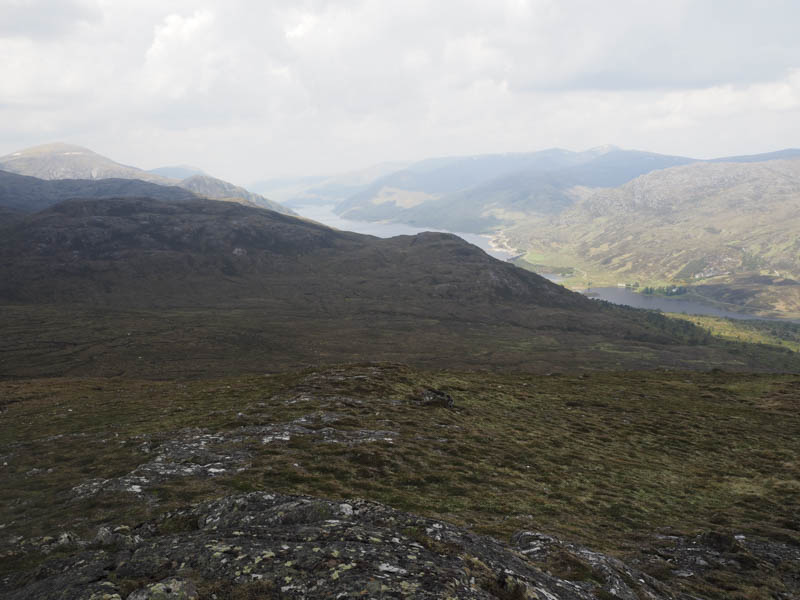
x,y
731,102
253,89
45,18
184,57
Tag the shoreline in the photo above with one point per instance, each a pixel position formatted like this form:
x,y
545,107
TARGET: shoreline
x,y
499,243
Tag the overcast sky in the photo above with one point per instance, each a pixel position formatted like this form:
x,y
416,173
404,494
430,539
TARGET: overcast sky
x,y
256,89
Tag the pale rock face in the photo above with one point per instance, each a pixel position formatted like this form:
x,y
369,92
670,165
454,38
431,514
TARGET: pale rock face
x,y
173,588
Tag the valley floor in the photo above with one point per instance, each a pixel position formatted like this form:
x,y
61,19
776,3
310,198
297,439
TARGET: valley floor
x,y
752,294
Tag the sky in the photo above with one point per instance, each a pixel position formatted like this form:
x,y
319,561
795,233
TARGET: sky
x,y
250,90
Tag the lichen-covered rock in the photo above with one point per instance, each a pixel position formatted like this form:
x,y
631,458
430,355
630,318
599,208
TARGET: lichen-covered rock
x,y
592,571
714,551
173,588
434,397
199,453
302,547
104,537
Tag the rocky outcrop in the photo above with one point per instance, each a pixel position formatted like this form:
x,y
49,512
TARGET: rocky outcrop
x,y
596,573
200,453
275,546
433,397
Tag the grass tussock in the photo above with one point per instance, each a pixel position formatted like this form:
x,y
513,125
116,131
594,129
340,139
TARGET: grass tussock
x,y
607,459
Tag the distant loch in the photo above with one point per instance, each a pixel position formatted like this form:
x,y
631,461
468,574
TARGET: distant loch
x,y
668,304
324,214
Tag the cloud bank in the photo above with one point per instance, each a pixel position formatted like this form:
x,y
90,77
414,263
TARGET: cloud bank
x,y
249,89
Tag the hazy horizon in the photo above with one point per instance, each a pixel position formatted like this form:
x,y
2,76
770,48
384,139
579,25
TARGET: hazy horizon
x,y
283,89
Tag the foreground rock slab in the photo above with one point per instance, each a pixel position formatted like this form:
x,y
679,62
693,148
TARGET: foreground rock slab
x,y
276,546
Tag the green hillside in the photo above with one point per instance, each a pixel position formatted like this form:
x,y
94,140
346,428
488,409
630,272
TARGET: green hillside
x,y
729,229
482,193
135,286
171,370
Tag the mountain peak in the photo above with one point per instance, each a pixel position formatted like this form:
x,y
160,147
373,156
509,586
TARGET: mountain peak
x,y
54,148
58,161
67,161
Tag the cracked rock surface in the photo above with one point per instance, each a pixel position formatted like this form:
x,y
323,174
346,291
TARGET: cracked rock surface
x,y
303,547
199,453
598,573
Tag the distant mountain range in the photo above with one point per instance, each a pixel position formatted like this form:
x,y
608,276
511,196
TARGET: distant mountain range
x,y
65,161
482,193
767,156
606,215
477,194
470,193
610,216
325,190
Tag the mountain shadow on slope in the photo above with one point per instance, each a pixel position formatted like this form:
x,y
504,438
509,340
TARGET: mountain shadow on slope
x,y
31,194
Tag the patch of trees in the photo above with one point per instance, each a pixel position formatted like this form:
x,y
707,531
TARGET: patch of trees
x,y
782,330
654,326
667,290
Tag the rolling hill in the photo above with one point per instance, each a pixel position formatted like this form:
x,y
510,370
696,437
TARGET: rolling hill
x,y
160,445
138,285
493,192
65,161
482,193
729,228
217,189
609,216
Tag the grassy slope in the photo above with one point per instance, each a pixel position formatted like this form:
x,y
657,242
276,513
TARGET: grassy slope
x,y
719,223
609,460
38,341
782,334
